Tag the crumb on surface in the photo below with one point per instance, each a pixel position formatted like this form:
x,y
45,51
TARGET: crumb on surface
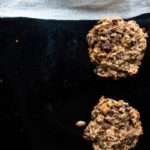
x,y
17,41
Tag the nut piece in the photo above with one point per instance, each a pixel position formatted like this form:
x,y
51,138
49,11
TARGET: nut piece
x,y
80,123
104,109
114,126
116,47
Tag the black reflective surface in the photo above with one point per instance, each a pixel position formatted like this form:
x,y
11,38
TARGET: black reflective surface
x,y
49,84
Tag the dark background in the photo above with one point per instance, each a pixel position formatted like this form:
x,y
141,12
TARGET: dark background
x,y
48,84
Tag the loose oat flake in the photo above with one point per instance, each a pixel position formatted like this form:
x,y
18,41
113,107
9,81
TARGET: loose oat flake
x,y
80,123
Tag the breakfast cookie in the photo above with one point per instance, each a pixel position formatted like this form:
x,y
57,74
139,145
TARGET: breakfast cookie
x,y
115,125
116,47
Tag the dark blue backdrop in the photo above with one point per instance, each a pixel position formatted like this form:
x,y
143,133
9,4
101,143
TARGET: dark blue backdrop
x,y
49,84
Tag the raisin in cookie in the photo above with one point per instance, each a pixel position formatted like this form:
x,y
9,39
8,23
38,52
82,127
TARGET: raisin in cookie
x,y
116,47
115,125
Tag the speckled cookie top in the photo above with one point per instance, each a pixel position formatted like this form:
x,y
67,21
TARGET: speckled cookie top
x,y
115,125
116,47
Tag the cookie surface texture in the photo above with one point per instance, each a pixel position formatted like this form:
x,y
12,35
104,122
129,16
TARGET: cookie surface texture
x,y
116,47
114,126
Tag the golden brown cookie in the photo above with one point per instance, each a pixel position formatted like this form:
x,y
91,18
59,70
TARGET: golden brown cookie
x,y
114,126
116,47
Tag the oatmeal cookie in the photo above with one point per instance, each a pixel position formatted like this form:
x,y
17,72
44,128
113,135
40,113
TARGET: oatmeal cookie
x,y
115,125
116,47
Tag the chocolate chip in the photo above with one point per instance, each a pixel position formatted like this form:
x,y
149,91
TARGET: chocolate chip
x,y
126,107
127,110
94,114
115,108
122,34
111,113
122,127
128,141
130,122
110,32
135,55
105,69
115,22
132,44
118,37
103,35
116,147
106,47
106,125
117,57
132,118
